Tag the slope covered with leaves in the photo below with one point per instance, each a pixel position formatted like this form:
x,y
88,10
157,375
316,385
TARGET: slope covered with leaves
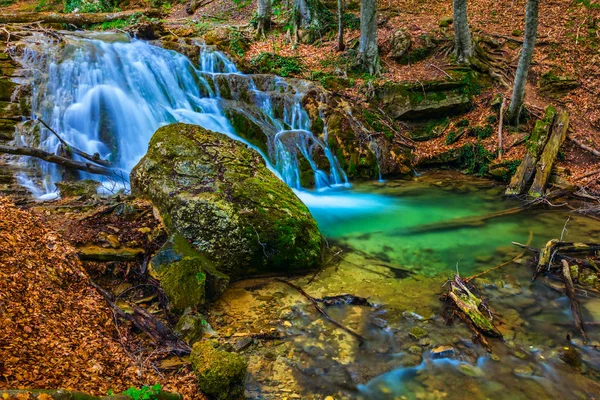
x,y
55,330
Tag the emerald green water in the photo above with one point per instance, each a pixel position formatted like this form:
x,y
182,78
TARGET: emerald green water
x,y
379,250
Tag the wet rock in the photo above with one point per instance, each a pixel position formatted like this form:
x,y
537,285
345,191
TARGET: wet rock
x,y
218,194
193,327
469,370
186,276
418,333
570,356
415,349
220,374
148,30
524,371
243,343
442,352
399,43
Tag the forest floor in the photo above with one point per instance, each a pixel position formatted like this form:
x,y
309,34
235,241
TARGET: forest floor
x,y
57,331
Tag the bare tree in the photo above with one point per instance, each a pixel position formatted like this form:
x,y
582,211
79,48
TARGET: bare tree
x,y
518,96
340,38
368,51
463,47
264,16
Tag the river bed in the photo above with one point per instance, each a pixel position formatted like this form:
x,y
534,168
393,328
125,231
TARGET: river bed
x,y
376,251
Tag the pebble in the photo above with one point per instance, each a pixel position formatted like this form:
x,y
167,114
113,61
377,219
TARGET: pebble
x,y
442,352
418,333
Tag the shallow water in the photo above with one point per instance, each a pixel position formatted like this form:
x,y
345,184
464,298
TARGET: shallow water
x,y
377,253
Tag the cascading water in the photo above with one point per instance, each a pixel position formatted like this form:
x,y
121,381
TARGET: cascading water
x,y
107,94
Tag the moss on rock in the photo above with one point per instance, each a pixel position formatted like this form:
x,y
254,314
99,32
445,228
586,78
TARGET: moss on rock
x,y
219,195
220,374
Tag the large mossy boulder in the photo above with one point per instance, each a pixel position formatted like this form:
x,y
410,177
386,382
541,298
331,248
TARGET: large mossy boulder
x,y
220,196
221,374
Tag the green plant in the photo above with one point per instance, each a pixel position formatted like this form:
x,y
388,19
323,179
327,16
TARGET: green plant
x,y
6,3
201,278
237,43
475,159
145,393
481,132
351,21
463,123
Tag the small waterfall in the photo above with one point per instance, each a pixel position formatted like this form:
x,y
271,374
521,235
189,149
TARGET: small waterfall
x,y
106,93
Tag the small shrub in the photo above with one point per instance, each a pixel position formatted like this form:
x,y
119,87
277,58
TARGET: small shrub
x,y
145,393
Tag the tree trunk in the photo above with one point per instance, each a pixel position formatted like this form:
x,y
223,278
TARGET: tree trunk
x,y
78,19
368,51
340,38
518,96
264,17
463,46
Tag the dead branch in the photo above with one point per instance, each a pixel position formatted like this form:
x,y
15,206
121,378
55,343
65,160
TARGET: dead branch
x,y
93,158
583,146
53,158
566,274
360,338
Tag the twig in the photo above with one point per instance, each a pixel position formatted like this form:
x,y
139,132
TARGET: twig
x,y
360,338
521,254
441,70
566,273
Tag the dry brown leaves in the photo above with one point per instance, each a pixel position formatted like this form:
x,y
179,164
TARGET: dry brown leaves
x,y
55,330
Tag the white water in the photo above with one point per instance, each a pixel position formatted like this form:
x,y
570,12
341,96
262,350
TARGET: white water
x,y
107,94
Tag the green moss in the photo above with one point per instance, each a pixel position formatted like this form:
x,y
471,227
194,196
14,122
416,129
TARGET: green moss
x,y
220,374
270,63
481,132
539,134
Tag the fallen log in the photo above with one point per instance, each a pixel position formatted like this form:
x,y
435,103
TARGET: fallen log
x,y
575,309
535,146
53,158
544,165
559,257
75,19
478,220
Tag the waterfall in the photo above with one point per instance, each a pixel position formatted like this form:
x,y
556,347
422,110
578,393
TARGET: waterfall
x,y
106,93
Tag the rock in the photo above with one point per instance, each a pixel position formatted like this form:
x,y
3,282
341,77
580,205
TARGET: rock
x,y
523,371
399,43
85,188
148,30
431,99
193,327
186,276
446,21
469,370
442,352
219,195
418,333
415,349
243,343
570,356
221,375
557,86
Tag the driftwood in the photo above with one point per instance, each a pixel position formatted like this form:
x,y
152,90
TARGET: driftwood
x,y
320,310
160,333
76,19
53,158
559,257
93,158
575,309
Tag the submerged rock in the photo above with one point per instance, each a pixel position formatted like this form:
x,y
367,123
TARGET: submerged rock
x,y
219,195
220,374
